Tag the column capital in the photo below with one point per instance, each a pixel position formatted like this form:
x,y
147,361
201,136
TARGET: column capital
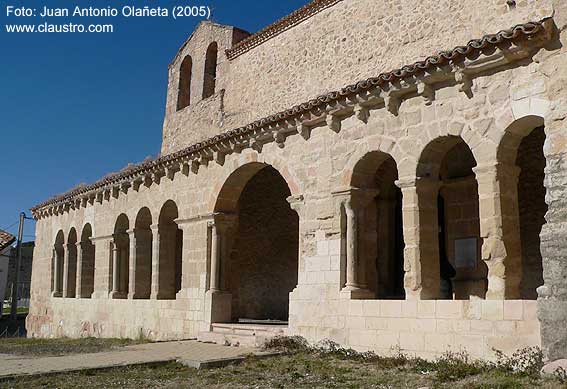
x,y
418,182
223,220
102,238
355,197
154,227
296,202
497,169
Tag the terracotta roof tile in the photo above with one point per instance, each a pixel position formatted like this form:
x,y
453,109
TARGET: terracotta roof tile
x,y
279,26
457,54
6,239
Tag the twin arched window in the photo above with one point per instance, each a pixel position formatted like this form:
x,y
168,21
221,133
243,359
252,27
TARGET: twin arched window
x,y
209,77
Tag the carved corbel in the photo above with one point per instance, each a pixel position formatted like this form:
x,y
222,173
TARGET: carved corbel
x,y
392,103
157,176
99,197
185,168
125,186
115,191
362,113
195,166
137,183
303,130
255,144
148,180
333,122
171,170
279,138
463,79
427,92
219,156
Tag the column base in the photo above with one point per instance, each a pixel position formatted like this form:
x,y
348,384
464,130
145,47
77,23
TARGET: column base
x,y
56,294
218,306
354,293
117,295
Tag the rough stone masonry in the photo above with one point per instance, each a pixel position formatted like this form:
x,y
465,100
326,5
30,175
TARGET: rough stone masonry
x,y
386,174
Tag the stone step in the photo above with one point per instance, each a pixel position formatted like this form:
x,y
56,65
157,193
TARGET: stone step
x,y
248,335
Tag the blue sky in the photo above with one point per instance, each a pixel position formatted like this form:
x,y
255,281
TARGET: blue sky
x,y
74,107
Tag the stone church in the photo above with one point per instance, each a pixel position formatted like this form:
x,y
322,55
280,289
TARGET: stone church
x,y
390,175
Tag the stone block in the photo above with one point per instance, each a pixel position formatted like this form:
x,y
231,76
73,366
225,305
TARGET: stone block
x,y
513,310
493,310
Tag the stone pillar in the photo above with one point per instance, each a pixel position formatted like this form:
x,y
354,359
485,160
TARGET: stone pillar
x,y
57,287
115,293
66,270
500,229
421,253
102,283
215,258
132,264
79,282
297,203
187,228
155,262
350,203
218,300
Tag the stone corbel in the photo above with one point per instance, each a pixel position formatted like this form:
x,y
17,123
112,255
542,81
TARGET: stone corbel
x,y
333,122
99,197
137,183
84,201
362,113
157,176
296,203
115,191
195,166
148,180
219,156
427,92
255,144
279,138
171,170
124,187
303,130
392,103
463,79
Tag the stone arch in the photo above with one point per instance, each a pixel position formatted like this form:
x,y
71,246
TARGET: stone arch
x,y
229,186
523,206
57,264
86,264
210,72
170,252
184,87
141,274
120,258
449,222
380,230
70,270
256,234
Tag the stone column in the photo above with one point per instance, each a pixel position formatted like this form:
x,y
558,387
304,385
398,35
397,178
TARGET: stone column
x,y
115,293
79,282
218,299
155,262
352,202
215,258
132,264
102,283
66,270
57,287
186,226
500,229
297,203
421,253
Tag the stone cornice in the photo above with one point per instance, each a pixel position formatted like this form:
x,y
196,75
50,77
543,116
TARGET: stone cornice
x,y
387,90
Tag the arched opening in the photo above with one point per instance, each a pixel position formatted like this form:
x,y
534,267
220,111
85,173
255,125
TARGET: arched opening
x,y
120,258
210,76
262,246
87,265
170,252
381,244
70,282
142,277
453,199
57,264
522,147
184,88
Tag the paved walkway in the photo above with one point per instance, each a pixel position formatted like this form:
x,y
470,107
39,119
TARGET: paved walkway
x,y
191,353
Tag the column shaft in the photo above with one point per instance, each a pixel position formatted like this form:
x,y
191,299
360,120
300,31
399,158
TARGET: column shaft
x,y
155,262
79,282
215,258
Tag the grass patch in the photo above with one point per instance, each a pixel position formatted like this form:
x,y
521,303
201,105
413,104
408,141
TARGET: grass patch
x,y
55,347
325,365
